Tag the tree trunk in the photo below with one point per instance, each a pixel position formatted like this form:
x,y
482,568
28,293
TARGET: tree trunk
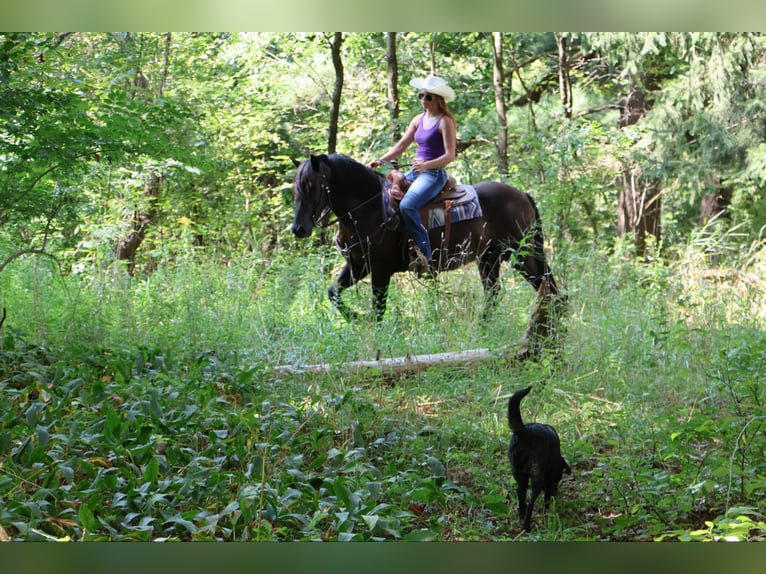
x,y
542,330
126,248
717,203
432,53
393,86
394,366
639,206
565,82
337,62
498,77
165,63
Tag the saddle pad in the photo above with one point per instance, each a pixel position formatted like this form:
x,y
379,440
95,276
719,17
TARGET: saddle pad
x,y
433,215
467,207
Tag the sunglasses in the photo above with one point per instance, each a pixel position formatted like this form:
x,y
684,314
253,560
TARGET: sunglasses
x,y
428,97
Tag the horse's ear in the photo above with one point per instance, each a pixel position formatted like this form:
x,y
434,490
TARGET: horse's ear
x,y
296,163
316,160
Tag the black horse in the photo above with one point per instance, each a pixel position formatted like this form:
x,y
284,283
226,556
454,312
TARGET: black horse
x,y
509,229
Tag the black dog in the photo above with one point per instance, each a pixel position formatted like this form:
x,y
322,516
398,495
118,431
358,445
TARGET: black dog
x,y
535,454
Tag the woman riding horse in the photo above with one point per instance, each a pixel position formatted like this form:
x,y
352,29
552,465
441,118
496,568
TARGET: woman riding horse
x,y
434,132
508,229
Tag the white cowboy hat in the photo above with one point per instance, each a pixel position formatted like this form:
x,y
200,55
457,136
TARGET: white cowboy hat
x,y
434,85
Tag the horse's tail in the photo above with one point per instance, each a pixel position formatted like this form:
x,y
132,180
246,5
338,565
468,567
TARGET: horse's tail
x,y
538,245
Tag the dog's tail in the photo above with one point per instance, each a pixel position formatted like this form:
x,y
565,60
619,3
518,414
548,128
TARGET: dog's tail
x,y
514,413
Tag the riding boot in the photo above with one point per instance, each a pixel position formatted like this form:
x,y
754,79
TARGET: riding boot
x,y
420,265
418,262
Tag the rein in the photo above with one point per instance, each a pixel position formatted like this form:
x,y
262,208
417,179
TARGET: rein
x,y
325,187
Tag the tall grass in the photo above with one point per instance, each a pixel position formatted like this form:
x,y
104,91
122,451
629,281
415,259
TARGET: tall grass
x,y
655,386
273,310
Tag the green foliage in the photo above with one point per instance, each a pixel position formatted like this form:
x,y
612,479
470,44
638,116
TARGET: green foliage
x,y
218,117
704,120
737,525
150,409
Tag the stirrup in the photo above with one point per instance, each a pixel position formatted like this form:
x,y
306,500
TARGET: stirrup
x,y
421,266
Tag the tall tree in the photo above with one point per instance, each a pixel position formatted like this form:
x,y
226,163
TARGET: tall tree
x,y
498,80
145,214
432,53
565,81
393,86
47,133
641,67
337,61
639,203
694,108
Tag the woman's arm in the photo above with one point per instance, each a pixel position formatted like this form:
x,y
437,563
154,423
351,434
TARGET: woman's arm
x,y
398,148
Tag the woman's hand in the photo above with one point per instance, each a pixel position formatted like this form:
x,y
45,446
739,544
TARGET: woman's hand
x,y
418,165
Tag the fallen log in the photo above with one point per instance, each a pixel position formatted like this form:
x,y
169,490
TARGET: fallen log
x,y
541,329
396,365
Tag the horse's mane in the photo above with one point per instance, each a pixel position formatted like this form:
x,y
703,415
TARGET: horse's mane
x,y
348,177
355,177
302,176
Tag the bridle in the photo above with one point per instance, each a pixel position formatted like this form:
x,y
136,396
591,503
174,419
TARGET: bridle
x,y
320,185
323,201
326,205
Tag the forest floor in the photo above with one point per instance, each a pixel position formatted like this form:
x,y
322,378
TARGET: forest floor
x,y
152,409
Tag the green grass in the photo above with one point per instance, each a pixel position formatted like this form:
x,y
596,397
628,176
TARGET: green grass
x,y
146,409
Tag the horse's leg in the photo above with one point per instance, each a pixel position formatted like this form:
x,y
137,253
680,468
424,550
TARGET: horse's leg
x,y
534,265
343,281
541,326
380,283
380,295
534,268
489,271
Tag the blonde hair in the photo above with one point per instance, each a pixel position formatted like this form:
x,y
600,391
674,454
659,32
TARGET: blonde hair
x,y
443,109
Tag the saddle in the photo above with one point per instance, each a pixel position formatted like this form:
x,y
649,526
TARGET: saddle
x,y
400,184
454,203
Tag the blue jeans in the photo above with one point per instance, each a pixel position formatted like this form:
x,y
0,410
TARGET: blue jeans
x,y
425,186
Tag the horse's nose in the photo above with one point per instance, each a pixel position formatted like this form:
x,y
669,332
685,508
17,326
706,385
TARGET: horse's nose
x,y
300,231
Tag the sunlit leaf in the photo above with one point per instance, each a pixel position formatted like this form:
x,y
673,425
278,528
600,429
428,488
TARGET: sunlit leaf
x,y
420,536
87,518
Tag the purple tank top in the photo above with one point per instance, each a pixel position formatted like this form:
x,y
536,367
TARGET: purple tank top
x,y
430,141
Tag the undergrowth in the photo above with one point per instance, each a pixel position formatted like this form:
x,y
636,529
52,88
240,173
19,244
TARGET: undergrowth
x,y
150,408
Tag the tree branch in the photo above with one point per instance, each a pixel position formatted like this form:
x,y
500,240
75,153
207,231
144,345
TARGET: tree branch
x,y
18,254
595,110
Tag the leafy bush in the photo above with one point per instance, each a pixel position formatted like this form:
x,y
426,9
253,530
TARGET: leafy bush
x,y
150,409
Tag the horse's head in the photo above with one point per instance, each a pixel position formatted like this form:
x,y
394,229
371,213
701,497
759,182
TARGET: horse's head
x,y
312,200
